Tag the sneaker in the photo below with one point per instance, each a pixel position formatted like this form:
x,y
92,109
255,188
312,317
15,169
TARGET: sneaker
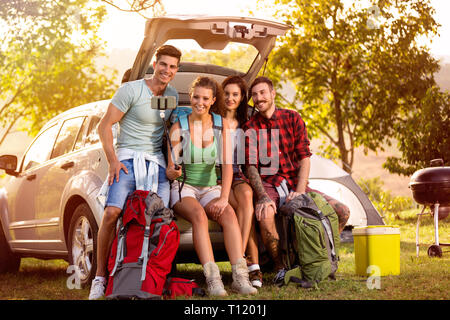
x,y
279,277
241,283
214,284
255,277
97,289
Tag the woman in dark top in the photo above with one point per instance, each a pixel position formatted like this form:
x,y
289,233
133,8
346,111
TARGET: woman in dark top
x,y
241,195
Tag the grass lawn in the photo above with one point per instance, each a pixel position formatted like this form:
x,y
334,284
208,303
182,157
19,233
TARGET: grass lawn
x,y
421,278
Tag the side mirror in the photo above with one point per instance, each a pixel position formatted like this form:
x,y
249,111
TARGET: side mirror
x,y
9,164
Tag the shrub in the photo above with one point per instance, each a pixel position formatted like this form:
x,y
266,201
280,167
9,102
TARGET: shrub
x,y
388,206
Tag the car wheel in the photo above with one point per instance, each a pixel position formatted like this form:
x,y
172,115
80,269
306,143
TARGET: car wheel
x,y
434,251
82,243
9,262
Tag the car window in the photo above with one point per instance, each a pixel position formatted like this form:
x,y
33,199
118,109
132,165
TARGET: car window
x,y
92,133
40,150
79,143
66,137
236,56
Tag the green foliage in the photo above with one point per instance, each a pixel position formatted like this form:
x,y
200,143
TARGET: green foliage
x,y
356,71
47,55
238,58
387,205
424,136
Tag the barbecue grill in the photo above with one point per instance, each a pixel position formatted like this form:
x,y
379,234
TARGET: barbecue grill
x,y
431,188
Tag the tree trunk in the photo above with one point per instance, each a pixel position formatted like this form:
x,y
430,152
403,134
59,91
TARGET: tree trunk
x,y
346,165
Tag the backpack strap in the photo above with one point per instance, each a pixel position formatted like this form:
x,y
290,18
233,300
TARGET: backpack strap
x,y
184,122
326,225
322,204
185,133
120,252
143,258
217,121
217,128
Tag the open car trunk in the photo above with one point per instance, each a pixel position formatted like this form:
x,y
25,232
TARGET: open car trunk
x,y
210,33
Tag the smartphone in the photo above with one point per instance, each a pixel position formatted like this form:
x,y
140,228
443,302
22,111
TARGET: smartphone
x,y
163,102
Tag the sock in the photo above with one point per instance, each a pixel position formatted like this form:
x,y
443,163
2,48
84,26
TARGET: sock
x,y
100,278
253,267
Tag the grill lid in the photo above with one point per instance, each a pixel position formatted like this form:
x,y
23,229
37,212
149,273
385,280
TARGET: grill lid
x,y
432,175
431,185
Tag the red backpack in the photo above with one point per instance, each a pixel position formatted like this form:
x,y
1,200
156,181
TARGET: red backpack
x,y
143,249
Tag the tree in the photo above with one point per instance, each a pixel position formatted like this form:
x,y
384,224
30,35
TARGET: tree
x,y
139,6
237,58
47,55
357,70
424,136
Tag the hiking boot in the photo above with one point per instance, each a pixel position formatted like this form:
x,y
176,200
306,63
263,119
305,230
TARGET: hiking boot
x,y
214,285
254,272
279,277
255,277
97,289
241,283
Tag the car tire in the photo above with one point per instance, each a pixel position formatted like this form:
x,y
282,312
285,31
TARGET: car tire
x,y
82,244
9,262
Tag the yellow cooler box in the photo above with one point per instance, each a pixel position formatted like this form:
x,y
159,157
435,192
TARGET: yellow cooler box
x,y
379,248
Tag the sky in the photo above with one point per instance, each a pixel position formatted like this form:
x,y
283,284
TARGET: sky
x,y
129,32
125,30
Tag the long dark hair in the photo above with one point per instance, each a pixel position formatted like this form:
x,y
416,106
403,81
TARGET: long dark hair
x,y
210,83
242,111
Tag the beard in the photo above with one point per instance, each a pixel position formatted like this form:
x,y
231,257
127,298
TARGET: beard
x,y
265,105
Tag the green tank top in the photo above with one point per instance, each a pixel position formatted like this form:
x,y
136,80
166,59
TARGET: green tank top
x,y
201,171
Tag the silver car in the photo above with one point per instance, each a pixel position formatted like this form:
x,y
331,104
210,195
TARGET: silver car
x,y
48,207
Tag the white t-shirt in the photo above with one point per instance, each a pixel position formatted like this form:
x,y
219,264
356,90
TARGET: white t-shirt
x,y
141,127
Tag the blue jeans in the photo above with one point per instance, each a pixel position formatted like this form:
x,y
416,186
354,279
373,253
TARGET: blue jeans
x,y
119,191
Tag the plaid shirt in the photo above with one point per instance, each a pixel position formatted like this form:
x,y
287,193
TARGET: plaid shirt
x,y
283,135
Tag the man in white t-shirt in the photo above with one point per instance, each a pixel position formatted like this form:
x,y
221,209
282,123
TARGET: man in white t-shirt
x,y
137,161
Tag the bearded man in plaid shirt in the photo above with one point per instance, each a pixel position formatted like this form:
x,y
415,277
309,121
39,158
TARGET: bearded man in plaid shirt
x,y
277,165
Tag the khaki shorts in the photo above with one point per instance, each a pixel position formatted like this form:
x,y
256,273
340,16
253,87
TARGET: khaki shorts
x,y
204,195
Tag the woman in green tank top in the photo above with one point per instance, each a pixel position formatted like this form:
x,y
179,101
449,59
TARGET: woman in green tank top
x,y
201,197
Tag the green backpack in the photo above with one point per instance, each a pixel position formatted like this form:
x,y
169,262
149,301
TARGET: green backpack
x,y
311,233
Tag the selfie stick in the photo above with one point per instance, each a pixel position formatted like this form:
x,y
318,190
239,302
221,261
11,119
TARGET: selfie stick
x,y
177,167
166,131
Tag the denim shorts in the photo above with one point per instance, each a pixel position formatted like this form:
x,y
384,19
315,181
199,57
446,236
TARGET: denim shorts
x,y
119,191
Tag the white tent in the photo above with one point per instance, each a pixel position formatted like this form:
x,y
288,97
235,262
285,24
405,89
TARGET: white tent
x,y
330,179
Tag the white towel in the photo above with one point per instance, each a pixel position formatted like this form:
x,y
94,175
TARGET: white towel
x,y
283,192
145,179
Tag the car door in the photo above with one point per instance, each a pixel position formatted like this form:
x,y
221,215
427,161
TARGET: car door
x,y
24,188
62,165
